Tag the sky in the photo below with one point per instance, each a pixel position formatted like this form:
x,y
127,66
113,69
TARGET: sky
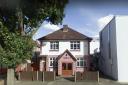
x,y
86,16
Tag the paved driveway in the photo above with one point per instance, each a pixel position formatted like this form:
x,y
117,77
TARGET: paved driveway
x,y
63,81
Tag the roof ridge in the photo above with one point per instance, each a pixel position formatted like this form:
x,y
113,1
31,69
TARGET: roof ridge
x,y
69,34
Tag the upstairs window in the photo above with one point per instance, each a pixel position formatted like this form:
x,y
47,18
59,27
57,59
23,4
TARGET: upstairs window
x,y
75,45
54,45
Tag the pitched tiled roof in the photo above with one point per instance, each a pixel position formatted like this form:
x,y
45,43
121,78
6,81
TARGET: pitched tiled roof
x,y
65,33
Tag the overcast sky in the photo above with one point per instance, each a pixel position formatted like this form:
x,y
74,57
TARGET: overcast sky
x,y
87,16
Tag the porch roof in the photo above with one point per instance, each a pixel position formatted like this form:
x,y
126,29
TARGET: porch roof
x,y
68,52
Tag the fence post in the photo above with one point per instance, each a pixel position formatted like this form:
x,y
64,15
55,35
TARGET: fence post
x,y
19,78
98,76
37,76
75,76
54,75
43,76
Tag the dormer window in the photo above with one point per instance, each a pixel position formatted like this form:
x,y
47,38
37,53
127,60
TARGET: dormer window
x,y
54,45
75,45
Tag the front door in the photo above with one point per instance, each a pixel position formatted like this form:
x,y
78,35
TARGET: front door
x,y
66,69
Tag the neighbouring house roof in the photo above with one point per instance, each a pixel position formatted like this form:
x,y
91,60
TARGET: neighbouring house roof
x,y
68,52
65,33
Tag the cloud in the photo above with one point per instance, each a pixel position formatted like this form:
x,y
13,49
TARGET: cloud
x,y
45,29
50,26
104,21
96,36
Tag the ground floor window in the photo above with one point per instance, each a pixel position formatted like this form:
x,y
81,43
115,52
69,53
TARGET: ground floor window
x,y
81,62
52,62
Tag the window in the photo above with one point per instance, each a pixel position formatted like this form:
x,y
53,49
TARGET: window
x,y
54,45
69,66
81,62
52,62
64,66
75,45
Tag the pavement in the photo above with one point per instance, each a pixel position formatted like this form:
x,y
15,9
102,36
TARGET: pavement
x,y
63,81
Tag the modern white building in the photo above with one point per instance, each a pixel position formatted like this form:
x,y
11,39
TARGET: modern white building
x,y
114,49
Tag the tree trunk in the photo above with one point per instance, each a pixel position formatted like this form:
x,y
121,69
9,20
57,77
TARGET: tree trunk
x,y
10,77
20,21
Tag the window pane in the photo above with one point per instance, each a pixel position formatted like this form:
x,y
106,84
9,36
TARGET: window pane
x,y
71,46
50,46
81,63
54,45
50,58
64,66
78,46
69,66
51,63
78,41
77,58
57,46
74,45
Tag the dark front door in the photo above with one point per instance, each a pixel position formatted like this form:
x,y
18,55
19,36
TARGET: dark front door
x,y
66,69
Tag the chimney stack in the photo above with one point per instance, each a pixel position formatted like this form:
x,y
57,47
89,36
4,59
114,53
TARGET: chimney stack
x,y
65,28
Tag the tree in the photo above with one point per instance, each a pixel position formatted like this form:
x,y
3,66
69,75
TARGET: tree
x,y
95,61
18,19
16,48
27,14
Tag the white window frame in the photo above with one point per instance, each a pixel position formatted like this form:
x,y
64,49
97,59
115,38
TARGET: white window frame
x,y
54,45
53,61
75,45
79,60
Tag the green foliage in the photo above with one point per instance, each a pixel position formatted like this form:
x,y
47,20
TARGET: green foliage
x,y
16,17
33,12
14,48
95,61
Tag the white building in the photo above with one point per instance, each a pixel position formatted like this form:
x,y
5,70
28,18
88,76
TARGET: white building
x,y
94,45
114,49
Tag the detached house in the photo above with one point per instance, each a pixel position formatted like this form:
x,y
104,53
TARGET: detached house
x,y
65,51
